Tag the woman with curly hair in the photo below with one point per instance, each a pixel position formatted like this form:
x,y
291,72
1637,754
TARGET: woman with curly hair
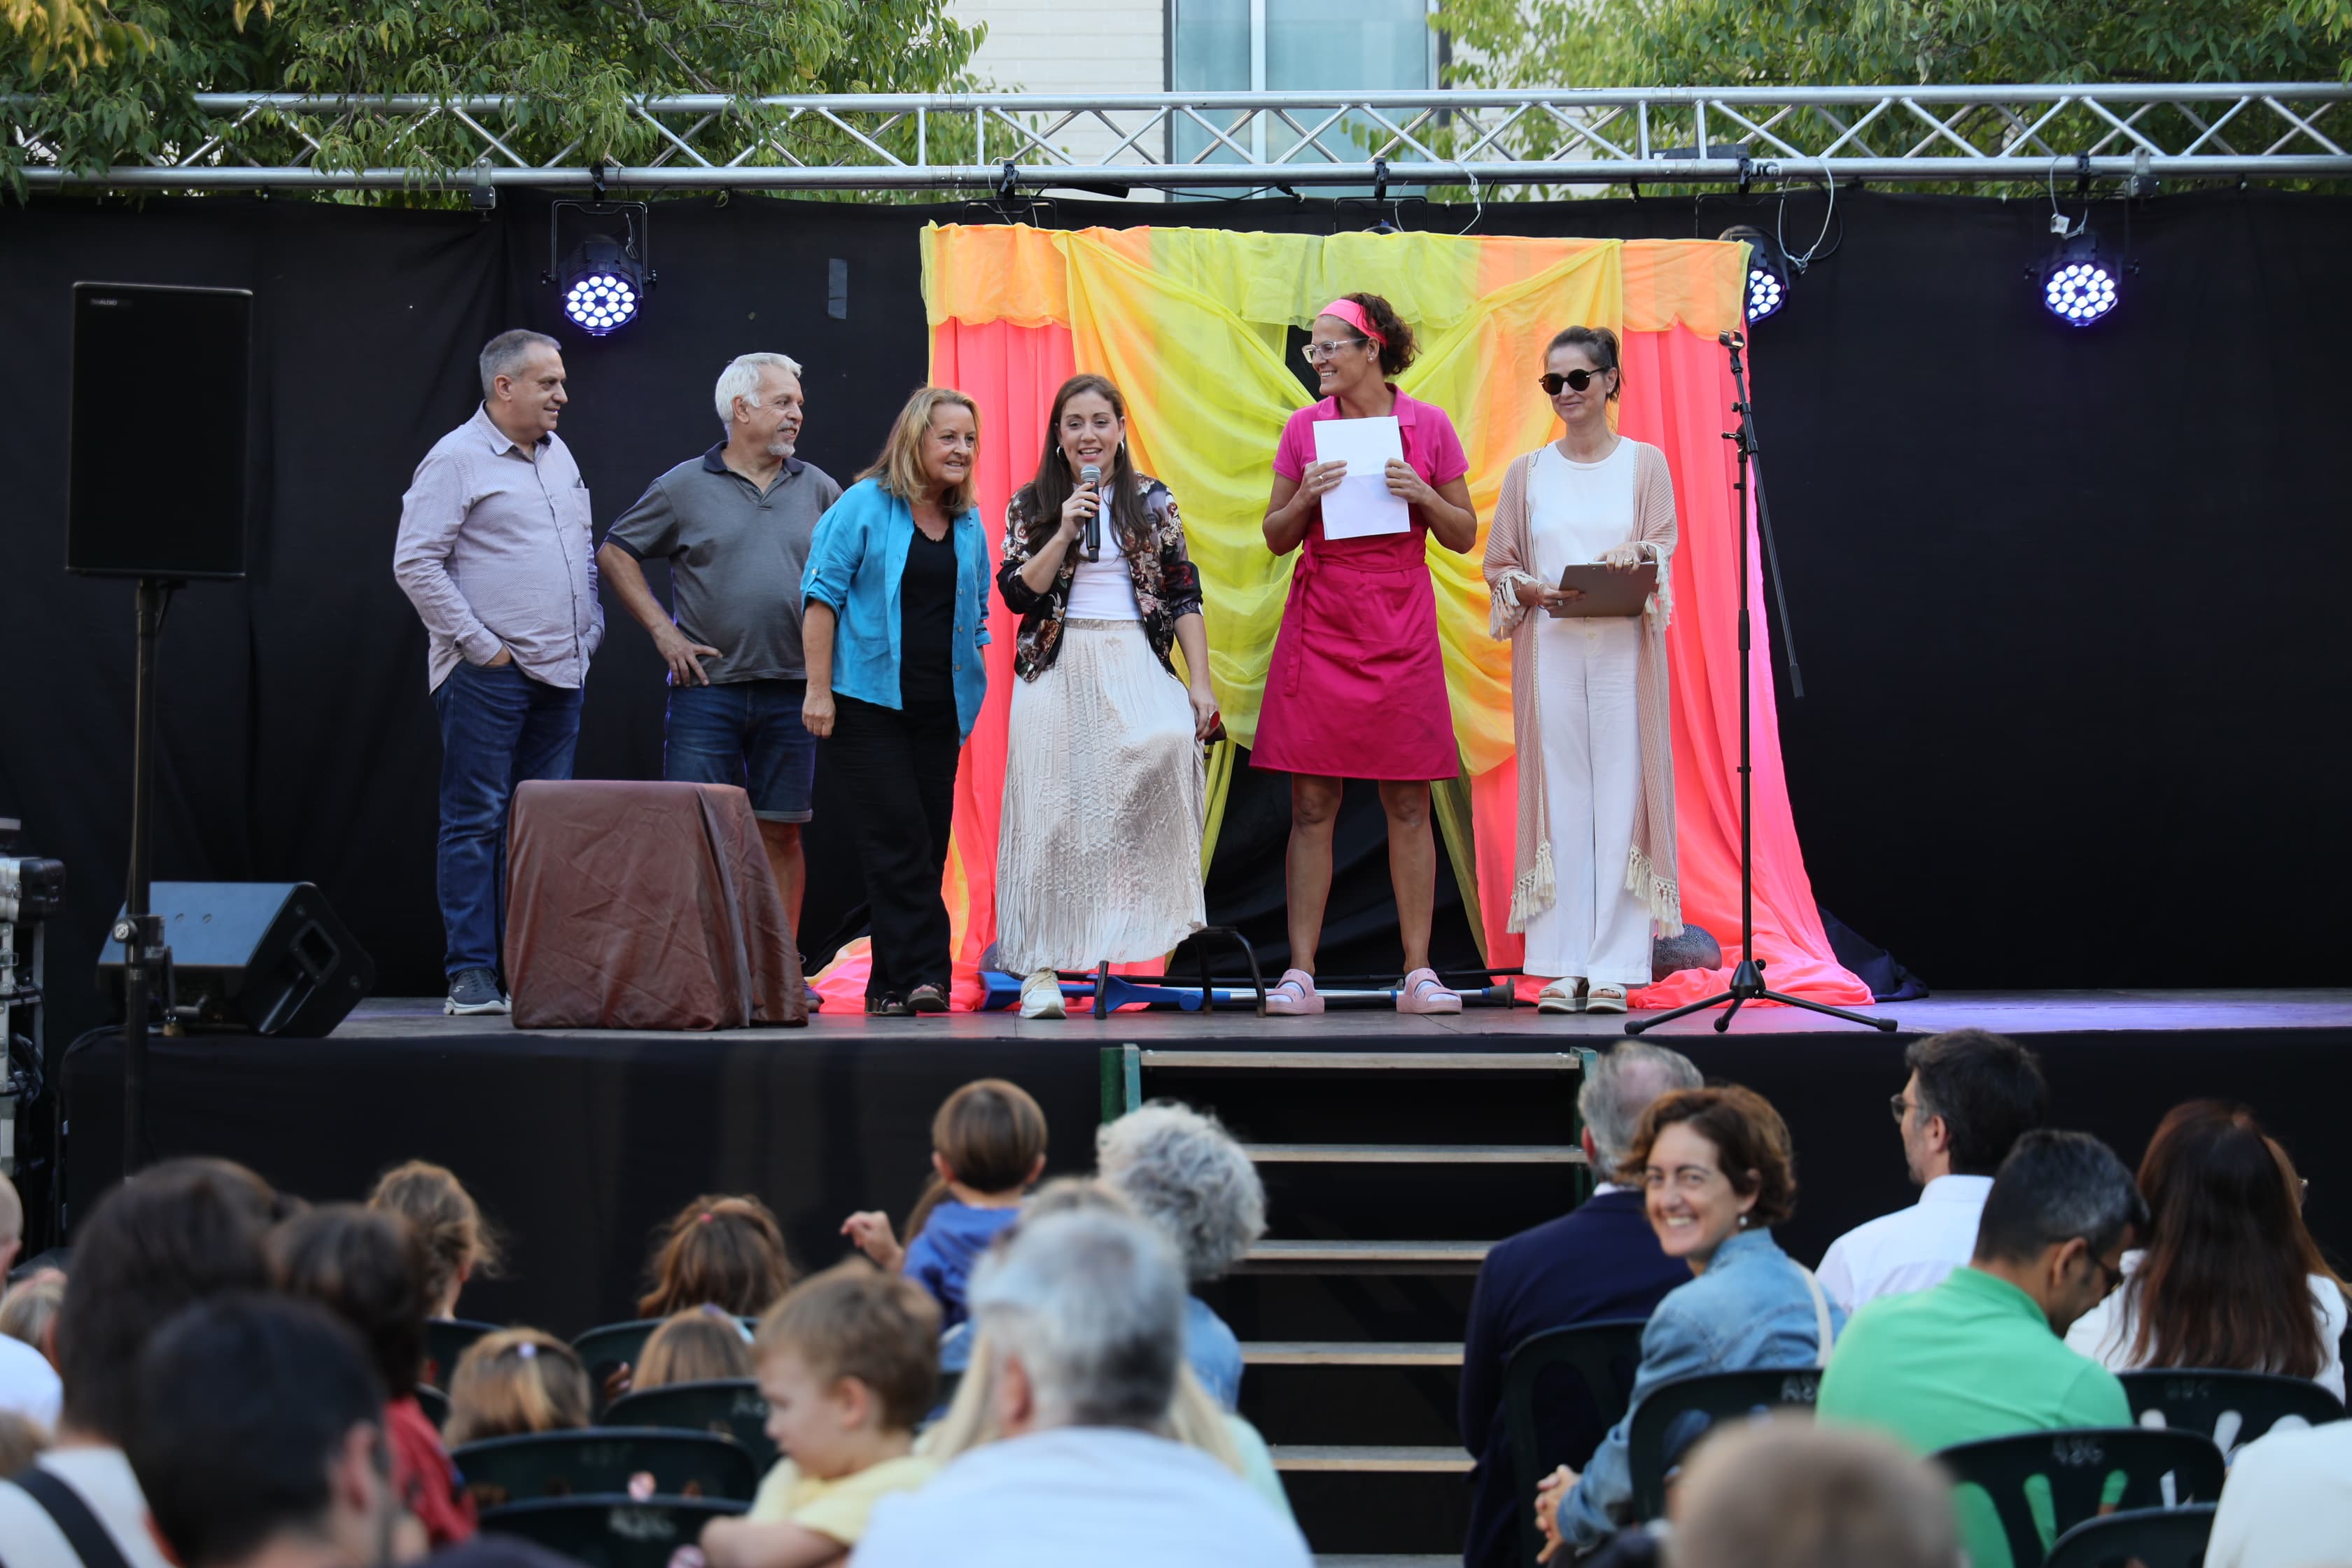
x,y
1100,854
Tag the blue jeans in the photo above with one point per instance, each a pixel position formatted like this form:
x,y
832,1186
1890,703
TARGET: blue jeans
x,y
746,732
498,727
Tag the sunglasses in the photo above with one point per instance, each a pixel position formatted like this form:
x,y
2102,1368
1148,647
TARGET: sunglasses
x,y
1575,381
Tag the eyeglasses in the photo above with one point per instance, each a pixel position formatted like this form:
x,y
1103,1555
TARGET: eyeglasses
x,y
1899,1105
1315,353
1575,381
2110,1280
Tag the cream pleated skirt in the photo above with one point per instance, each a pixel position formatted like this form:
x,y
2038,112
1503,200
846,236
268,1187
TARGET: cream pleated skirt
x,y
1098,853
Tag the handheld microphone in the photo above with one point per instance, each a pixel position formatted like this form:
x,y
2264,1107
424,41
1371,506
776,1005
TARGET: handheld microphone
x,y
1092,474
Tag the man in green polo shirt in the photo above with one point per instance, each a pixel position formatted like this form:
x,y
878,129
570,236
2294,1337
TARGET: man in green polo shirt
x,y
1984,1353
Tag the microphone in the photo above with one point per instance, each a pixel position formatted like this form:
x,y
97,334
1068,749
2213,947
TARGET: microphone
x,y
1092,474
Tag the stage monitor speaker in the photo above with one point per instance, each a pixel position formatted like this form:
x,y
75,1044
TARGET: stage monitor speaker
x,y
159,494
269,957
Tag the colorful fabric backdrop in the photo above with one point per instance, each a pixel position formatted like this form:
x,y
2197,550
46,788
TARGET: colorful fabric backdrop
x,y
1191,324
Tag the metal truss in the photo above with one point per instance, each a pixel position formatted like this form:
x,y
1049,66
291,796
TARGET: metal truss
x,y
1255,140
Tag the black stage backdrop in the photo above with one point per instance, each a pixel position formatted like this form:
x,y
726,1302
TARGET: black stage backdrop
x,y
2069,603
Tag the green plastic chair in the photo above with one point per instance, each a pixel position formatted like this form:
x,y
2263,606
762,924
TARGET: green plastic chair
x,y
1605,1355
730,1408
1684,1409
603,1350
503,1470
611,1530
2075,1463
2233,1409
434,1403
2151,1537
445,1340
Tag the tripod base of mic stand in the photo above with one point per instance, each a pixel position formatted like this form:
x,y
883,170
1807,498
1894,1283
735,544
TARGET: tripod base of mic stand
x,y
1748,986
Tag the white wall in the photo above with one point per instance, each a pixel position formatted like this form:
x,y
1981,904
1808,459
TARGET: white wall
x,y
1090,46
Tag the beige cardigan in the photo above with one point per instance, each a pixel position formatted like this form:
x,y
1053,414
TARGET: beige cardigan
x,y
1511,559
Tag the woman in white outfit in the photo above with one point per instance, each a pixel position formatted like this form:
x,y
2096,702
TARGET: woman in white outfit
x,y
1098,853
1595,871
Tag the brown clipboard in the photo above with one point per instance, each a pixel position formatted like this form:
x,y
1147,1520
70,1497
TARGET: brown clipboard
x,y
1608,590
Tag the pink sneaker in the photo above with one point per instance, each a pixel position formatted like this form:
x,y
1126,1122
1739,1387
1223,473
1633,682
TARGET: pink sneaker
x,y
1294,995
1423,992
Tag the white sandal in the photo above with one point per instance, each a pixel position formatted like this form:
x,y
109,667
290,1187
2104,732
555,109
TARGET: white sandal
x,y
1605,999
1561,996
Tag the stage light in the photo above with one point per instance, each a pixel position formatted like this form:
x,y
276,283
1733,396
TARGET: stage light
x,y
1768,274
603,286
2078,284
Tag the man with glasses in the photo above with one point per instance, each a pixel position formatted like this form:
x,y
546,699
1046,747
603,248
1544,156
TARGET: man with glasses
x,y
1971,1095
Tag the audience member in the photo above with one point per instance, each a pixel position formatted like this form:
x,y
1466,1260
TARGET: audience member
x,y
22,1440
459,1242
724,1252
259,1439
28,1384
1600,1260
2288,1501
31,1306
185,1231
513,1382
1970,1096
1716,1174
1184,1173
848,1363
698,1346
2229,1276
1082,1318
368,1270
1783,1492
12,1226
988,1148
1983,1353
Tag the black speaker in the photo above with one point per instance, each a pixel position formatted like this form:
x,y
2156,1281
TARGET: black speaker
x,y
159,491
269,957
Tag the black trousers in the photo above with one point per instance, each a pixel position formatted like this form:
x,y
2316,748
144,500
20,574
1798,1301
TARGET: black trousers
x,y
899,769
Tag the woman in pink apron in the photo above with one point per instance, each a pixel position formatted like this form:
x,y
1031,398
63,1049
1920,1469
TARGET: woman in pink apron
x,y
1356,690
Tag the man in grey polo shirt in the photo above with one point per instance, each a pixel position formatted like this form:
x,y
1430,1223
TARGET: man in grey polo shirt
x,y
734,525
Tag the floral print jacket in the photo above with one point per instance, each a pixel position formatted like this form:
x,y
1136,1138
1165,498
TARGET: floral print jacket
x,y
1166,583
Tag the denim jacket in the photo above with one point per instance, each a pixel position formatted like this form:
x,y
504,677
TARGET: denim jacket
x,y
1750,1311
856,559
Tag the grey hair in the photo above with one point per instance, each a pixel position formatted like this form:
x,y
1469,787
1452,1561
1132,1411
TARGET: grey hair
x,y
1183,1172
504,354
1620,1086
741,379
1093,1304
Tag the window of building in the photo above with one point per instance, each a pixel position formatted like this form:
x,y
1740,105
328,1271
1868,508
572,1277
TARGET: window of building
x,y
1274,46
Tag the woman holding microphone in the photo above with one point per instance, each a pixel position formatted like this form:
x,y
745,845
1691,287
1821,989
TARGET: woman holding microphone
x,y
1596,837
897,595
1356,686
1099,852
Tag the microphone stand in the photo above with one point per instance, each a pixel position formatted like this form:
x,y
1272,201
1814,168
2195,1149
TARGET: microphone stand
x,y
1747,978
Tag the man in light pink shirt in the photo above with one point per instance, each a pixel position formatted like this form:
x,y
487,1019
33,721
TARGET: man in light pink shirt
x,y
495,553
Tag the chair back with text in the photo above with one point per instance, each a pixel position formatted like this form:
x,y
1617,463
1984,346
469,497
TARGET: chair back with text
x,y
2147,1537
730,1407
1603,1356
2233,1409
1673,1416
445,1340
2075,1464
502,1470
611,1530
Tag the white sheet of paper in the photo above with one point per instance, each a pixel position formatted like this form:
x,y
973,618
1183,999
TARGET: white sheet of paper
x,y
1361,505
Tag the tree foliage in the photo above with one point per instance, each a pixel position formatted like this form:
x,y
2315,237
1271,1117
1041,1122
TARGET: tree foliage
x,y
576,67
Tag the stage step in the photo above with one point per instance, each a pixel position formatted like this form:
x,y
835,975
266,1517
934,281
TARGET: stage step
x,y
1416,1153
1348,1352
1366,1257
1349,1458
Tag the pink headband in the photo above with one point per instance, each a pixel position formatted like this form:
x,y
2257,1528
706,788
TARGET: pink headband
x,y
1353,314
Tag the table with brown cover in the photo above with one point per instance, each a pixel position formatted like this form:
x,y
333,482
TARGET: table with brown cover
x,y
644,906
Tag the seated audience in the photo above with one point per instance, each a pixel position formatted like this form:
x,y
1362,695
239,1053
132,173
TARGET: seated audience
x,y
988,1148
368,1268
259,1439
1970,1096
699,1346
1983,1354
2227,1275
2288,1501
31,1306
723,1252
1082,1318
28,1384
22,1440
185,1231
848,1363
513,1382
1716,1174
1184,1172
459,1242
12,1226
1783,1492
1598,1262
